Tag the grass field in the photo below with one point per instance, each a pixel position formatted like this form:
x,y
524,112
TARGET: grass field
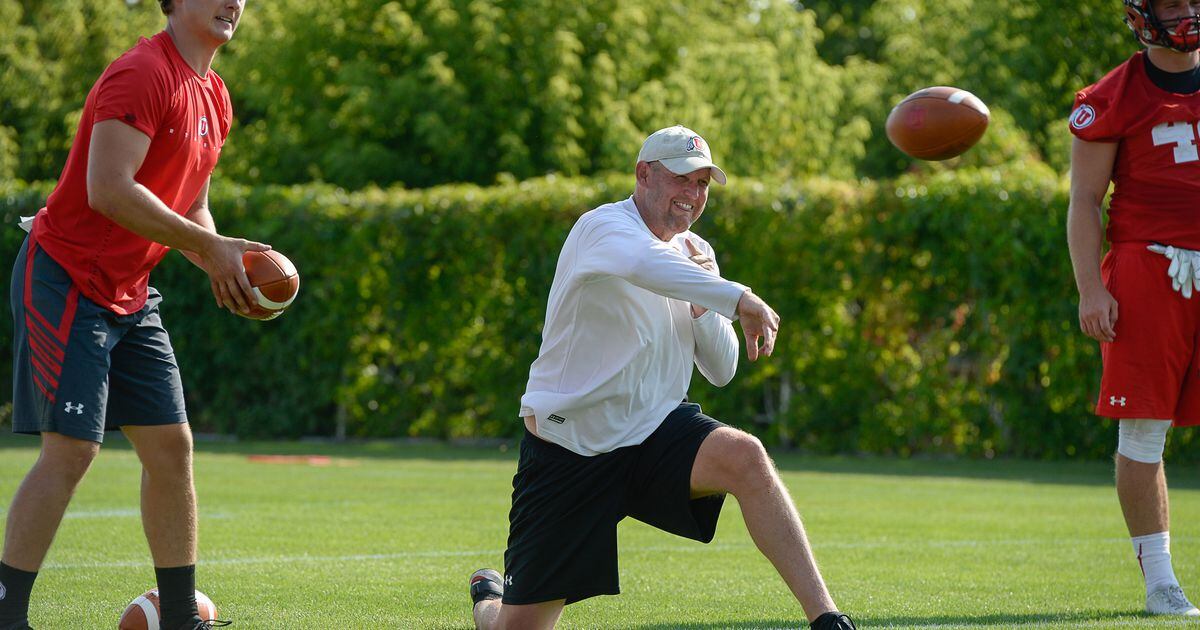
x,y
385,535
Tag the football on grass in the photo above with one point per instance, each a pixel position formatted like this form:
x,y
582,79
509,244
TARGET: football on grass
x,y
937,123
275,280
142,613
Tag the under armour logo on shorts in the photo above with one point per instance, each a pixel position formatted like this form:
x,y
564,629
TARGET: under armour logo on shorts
x,y
507,580
76,409
3,591
1116,402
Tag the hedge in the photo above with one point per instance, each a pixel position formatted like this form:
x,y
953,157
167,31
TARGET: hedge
x,y
935,313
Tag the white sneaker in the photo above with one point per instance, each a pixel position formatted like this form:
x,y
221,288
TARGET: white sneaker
x,y
1170,601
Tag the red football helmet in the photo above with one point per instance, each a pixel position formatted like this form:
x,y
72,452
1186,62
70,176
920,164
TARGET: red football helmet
x,y
1181,34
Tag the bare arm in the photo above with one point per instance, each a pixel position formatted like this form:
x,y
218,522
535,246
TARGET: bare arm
x,y
200,215
1091,172
115,155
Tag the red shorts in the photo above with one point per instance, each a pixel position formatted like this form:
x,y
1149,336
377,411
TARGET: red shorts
x,y
1150,370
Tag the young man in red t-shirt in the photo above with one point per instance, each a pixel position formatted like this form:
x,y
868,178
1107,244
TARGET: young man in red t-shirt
x,y
1138,128
90,350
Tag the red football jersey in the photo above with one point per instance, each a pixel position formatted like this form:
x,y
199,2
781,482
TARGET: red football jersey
x,y
1157,169
187,118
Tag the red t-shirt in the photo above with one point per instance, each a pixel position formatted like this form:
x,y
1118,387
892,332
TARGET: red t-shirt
x,y
187,117
1157,168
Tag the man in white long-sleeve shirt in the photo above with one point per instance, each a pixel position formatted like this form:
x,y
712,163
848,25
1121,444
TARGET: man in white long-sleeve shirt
x,y
637,299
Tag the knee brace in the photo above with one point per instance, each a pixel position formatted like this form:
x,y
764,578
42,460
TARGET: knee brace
x,y
1143,440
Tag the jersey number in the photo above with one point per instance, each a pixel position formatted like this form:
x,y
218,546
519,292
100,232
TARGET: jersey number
x,y
1180,134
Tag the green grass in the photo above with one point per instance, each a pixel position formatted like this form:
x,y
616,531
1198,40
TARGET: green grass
x,y
386,536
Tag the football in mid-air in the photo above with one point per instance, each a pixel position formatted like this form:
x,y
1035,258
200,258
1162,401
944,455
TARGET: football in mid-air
x,y
143,614
937,123
275,280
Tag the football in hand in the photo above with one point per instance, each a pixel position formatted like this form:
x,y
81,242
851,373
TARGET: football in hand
x,y
143,614
275,280
937,123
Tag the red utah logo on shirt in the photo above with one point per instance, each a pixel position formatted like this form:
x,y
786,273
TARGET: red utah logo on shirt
x,y
1084,115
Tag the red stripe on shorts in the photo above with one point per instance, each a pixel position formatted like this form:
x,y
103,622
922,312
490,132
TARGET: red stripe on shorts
x,y
46,390
47,371
41,341
63,329
46,356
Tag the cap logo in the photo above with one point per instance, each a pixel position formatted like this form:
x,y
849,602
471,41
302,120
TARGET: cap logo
x,y
696,143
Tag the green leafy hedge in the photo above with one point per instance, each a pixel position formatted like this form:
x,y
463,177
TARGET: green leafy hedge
x,y
934,313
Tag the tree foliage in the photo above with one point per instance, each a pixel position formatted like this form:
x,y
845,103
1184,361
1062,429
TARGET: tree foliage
x,y
50,54
423,92
1025,59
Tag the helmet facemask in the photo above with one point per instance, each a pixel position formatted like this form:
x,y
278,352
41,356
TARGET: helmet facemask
x,y
1181,34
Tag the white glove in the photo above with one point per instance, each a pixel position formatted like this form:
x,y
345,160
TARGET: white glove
x,y
26,223
1184,269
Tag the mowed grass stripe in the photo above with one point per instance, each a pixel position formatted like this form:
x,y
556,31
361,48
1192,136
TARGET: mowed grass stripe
x,y
714,548
385,536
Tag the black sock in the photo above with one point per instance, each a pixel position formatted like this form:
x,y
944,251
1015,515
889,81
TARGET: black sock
x,y
177,596
15,586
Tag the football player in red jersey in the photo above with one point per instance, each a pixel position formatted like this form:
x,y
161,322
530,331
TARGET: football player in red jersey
x,y
1138,128
90,350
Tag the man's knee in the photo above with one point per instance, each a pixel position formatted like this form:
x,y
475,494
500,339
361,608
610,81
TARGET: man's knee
x,y
743,461
164,449
66,457
1142,440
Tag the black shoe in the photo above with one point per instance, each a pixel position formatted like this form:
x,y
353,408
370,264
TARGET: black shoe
x,y
832,621
20,625
486,584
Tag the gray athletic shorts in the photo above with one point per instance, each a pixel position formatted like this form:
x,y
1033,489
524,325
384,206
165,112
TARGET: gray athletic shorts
x,y
78,368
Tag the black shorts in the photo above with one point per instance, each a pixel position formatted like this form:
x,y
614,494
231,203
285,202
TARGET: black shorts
x,y
562,537
80,369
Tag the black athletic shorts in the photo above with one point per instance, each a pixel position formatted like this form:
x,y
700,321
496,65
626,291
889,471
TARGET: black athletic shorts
x,y
562,537
80,369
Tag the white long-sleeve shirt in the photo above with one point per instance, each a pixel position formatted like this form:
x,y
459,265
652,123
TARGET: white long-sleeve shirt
x,y
619,339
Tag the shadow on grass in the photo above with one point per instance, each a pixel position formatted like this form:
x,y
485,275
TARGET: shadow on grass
x,y
914,621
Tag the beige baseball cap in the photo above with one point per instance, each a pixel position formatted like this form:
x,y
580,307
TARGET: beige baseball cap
x,y
681,150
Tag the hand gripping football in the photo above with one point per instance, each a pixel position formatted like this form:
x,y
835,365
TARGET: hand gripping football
x,y
275,281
